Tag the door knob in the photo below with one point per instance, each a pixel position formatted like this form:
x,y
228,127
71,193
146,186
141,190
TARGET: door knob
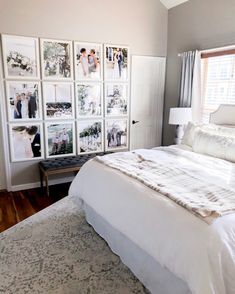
x,y
135,122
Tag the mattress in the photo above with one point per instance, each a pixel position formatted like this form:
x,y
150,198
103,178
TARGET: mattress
x,y
201,255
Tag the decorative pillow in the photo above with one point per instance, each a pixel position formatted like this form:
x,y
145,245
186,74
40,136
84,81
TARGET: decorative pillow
x,y
189,133
216,145
192,128
226,131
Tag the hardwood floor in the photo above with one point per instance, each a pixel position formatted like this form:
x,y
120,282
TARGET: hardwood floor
x,y
16,206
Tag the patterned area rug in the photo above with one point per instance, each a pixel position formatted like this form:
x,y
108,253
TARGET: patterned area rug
x,y
56,251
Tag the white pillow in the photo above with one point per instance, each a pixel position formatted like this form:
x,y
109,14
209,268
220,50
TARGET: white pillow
x,y
192,128
215,145
226,131
189,133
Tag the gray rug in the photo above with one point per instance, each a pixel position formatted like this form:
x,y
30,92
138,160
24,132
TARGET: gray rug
x,y
56,251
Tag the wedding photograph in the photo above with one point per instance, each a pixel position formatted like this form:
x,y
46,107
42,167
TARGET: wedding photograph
x,y
26,142
23,100
58,100
90,136
116,63
89,100
57,61
116,99
60,139
88,61
20,57
116,134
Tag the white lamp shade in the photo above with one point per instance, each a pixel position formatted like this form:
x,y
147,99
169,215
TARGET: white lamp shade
x,y
180,115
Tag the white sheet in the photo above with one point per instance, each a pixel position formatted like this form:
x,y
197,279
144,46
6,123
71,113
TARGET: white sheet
x,y
201,255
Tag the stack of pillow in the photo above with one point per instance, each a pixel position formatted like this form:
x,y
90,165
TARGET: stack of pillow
x,y
213,140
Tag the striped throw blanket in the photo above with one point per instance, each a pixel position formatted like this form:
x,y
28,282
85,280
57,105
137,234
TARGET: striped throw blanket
x,y
203,185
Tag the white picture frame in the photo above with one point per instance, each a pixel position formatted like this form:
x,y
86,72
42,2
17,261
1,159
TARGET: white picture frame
x,y
115,68
92,67
56,130
30,108
93,143
89,100
20,145
55,95
56,63
114,140
116,99
20,57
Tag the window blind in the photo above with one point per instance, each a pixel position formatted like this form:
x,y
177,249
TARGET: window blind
x,y
218,83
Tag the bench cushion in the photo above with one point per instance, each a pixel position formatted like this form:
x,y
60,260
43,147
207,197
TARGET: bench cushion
x,y
72,161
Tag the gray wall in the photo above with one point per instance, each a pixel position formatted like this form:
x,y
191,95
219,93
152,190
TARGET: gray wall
x,y
141,24
197,24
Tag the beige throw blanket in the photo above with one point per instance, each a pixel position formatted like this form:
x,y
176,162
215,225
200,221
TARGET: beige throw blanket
x,y
201,184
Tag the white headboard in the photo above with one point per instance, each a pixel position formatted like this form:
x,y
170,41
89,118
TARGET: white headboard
x,y
224,115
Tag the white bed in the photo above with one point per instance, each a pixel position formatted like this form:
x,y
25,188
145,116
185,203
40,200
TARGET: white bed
x,y
169,249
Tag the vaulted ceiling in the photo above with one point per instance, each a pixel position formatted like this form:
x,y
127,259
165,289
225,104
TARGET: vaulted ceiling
x,y
172,3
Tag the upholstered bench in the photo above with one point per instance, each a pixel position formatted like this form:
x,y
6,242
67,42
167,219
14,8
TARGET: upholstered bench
x,y
62,165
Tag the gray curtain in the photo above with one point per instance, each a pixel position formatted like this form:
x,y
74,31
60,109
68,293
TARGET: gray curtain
x,y
186,82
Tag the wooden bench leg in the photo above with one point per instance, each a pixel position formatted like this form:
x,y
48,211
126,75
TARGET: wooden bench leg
x,y
47,186
41,179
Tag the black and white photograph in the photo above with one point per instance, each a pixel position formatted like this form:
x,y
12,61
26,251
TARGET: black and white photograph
x,y
57,61
116,99
89,98
90,136
20,57
88,61
116,63
60,139
58,100
23,100
26,142
116,134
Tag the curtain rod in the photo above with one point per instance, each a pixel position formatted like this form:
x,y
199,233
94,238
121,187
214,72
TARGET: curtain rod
x,y
229,47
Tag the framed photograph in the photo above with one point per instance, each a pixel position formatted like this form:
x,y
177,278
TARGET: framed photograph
x,y
60,139
58,100
116,99
90,136
20,57
89,100
23,100
26,141
88,61
116,133
116,63
56,59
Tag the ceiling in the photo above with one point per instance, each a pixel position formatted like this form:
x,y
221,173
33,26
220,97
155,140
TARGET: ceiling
x,y
172,3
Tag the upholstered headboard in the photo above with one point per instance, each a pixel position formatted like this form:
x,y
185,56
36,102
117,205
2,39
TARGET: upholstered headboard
x,y
224,115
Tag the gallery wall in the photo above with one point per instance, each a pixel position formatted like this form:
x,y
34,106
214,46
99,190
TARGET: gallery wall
x,y
142,27
197,24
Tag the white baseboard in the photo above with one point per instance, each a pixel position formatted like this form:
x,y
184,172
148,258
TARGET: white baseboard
x,y
37,184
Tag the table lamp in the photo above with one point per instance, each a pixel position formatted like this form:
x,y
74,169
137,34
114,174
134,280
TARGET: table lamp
x,y
180,116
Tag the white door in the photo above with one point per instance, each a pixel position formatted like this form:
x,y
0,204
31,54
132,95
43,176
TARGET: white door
x,y
147,98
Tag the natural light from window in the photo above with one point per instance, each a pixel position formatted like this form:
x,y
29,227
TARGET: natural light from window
x,y
218,83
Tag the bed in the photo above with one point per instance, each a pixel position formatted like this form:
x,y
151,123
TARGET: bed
x,y
169,248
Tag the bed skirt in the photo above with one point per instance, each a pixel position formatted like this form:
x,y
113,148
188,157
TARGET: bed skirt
x,y
154,277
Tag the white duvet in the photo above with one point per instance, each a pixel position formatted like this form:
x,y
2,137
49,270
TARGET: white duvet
x,y
202,255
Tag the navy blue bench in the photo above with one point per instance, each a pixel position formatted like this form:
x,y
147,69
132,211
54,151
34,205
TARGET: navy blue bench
x,y
62,165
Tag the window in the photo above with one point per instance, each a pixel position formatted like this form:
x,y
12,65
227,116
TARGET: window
x,y
218,81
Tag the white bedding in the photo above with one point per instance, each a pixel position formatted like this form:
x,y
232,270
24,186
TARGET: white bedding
x,y
202,255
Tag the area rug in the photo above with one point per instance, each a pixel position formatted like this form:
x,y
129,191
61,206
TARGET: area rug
x,y
57,251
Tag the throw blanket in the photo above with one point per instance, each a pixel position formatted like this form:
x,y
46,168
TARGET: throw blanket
x,y
201,184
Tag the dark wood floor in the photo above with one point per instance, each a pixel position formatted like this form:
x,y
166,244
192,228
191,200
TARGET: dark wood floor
x,y
16,206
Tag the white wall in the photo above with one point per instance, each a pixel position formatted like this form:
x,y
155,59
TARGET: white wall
x,y
141,24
